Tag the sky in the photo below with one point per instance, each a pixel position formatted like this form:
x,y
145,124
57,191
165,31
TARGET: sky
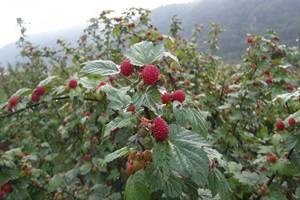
x,y
47,16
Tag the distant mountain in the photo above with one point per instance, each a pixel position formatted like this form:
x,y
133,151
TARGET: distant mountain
x,y
238,17
9,53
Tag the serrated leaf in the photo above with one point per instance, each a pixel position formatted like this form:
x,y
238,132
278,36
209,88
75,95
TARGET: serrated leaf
x,y
55,182
119,122
144,53
218,184
183,152
293,141
47,80
23,91
86,168
116,154
135,188
101,67
118,97
154,179
248,178
283,166
89,83
173,187
193,117
50,157
99,191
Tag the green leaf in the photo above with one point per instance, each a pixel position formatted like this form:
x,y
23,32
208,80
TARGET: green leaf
x,y
118,97
283,166
183,152
249,178
293,141
23,91
154,179
135,188
101,67
173,187
89,83
55,182
218,184
150,99
144,53
86,168
193,117
47,80
116,154
124,120
99,191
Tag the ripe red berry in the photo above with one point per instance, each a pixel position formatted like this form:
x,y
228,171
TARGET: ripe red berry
x,y
255,83
6,188
291,88
13,101
266,72
87,156
35,97
272,158
269,80
150,74
263,168
148,33
131,108
264,57
40,90
102,83
73,83
111,79
166,98
28,172
250,39
276,38
280,125
246,157
292,121
160,129
126,68
160,38
178,95
87,113
130,169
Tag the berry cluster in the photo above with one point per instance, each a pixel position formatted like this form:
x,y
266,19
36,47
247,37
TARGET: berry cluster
x,y
281,126
178,95
263,190
138,160
39,91
11,103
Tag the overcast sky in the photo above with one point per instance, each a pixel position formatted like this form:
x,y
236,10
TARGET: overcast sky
x,y
51,15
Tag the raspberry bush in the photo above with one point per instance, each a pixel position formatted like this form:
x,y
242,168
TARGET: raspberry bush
x,y
129,113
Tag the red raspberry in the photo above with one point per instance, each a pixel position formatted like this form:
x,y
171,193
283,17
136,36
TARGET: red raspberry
x,y
130,169
13,101
272,159
246,157
178,95
87,157
131,108
165,98
73,83
87,113
280,125
250,39
291,88
35,97
40,90
160,38
264,57
160,129
150,74
255,83
9,108
102,83
1,194
292,121
6,188
266,72
127,68
111,78
269,80
276,38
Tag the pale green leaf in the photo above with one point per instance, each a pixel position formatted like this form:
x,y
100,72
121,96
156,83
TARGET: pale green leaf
x,y
118,97
101,67
86,168
23,91
116,154
173,186
55,182
144,53
170,55
47,80
135,188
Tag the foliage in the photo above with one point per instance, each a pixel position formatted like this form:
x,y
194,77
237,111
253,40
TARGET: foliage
x,y
94,139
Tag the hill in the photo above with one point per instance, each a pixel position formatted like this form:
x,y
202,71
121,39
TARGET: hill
x,y
238,18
